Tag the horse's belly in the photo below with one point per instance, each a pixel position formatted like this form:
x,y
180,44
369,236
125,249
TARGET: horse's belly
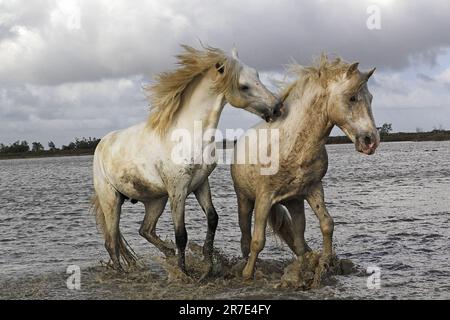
x,y
140,182
140,187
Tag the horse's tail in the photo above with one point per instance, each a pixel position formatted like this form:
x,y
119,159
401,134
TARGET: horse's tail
x,y
126,252
281,223
98,212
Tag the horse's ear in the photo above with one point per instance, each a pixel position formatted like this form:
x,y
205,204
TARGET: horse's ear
x,y
352,69
220,67
370,73
234,53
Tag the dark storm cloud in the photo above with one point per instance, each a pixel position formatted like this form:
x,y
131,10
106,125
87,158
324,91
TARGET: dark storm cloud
x,y
75,67
424,77
62,112
67,41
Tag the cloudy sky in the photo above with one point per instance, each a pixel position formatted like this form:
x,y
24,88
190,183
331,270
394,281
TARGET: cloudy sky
x,y
72,68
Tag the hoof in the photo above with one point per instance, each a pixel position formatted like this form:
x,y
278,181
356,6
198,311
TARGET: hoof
x,y
184,270
119,269
247,279
206,276
325,262
114,266
247,276
209,272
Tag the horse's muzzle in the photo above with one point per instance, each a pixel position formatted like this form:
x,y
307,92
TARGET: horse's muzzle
x,y
275,113
367,143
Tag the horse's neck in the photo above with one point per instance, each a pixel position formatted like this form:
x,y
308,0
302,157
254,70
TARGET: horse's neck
x,y
306,127
201,106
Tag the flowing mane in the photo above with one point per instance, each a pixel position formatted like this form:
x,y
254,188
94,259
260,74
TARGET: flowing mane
x,y
166,94
320,73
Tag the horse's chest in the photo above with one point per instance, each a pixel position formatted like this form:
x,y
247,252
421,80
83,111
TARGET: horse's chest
x,y
296,180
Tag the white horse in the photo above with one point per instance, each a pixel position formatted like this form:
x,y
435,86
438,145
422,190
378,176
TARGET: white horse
x,y
136,163
329,94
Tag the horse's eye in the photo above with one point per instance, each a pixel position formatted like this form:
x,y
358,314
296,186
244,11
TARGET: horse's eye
x,y
353,99
244,88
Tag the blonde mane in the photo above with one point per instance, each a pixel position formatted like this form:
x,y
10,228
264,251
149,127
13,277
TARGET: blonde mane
x,y
322,72
166,94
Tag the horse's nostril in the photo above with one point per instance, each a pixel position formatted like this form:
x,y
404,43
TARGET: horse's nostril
x,y
277,109
276,112
367,140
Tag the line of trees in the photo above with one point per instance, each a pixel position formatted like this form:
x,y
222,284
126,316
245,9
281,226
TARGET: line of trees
x,y
16,147
79,144
385,129
23,146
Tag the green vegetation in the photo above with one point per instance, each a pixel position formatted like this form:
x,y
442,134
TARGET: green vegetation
x,y
385,129
386,135
21,149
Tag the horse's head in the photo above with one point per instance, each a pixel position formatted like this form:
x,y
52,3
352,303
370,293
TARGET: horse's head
x,y
350,108
247,92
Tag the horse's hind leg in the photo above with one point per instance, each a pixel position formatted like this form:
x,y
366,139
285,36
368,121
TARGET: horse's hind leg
x,y
203,195
297,212
153,210
245,210
110,202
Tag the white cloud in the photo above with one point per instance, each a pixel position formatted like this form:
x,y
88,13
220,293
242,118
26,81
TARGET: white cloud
x,y
67,14
444,76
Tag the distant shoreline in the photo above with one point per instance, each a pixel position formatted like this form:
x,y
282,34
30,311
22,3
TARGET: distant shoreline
x,y
436,135
46,154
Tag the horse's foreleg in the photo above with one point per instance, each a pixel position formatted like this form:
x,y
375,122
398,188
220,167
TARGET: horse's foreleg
x,y
245,210
296,209
262,210
177,203
316,200
153,210
203,195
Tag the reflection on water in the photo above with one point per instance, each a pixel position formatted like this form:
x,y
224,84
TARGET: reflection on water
x,y
391,210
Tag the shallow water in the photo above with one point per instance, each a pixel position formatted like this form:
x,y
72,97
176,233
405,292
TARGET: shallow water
x,y
391,210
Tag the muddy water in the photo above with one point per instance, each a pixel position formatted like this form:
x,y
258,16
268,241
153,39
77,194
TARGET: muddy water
x,y
391,211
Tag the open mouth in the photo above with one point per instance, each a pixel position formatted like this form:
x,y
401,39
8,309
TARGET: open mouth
x,y
369,150
272,117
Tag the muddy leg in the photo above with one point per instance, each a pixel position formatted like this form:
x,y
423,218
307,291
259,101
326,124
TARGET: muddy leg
x,y
203,195
262,210
245,210
153,210
297,211
110,202
316,200
177,203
